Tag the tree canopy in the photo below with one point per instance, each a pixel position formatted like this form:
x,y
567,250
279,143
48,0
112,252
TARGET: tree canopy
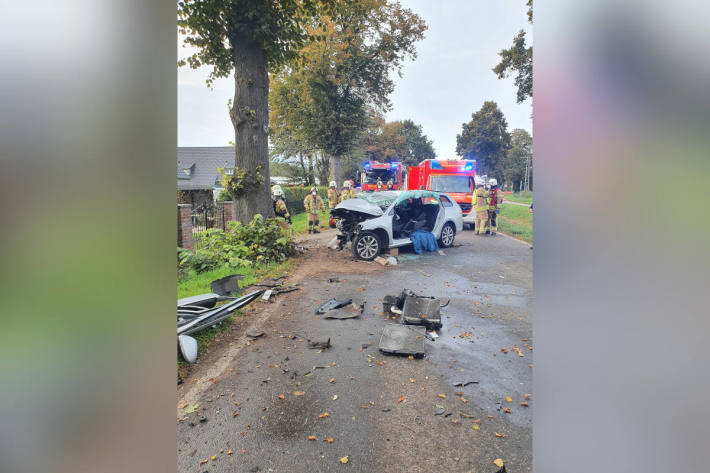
x,y
518,60
338,80
518,159
397,141
486,139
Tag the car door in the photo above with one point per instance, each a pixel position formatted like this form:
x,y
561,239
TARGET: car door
x,y
398,241
440,216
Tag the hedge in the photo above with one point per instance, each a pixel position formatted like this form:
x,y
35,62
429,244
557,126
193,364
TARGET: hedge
x,y
294,197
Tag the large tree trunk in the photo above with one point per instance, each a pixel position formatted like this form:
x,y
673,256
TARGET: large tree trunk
x,y
335,170
250,118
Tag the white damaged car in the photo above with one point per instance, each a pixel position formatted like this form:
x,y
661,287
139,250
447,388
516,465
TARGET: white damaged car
x,y
376,221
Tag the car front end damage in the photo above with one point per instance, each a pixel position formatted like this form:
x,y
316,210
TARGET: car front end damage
x,y
348,223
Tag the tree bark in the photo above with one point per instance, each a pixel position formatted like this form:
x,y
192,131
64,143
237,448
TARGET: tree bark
x,y
250,118
335,170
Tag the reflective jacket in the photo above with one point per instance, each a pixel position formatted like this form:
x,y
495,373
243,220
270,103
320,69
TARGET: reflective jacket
x,y
495,198
313,204
332,198
346,194
480,199
280,208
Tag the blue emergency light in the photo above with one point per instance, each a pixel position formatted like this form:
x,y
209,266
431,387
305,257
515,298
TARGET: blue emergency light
x,y
394,165
436,165
468,167
367,165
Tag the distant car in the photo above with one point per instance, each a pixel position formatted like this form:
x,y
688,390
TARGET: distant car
x,y
376,221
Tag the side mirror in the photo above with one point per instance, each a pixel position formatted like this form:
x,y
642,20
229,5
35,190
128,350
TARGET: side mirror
x,y
188,348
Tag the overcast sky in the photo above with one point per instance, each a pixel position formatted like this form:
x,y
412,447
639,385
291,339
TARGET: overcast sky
x,y
449,80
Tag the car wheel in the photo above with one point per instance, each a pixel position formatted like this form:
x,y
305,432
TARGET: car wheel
x,y
448,233
366,246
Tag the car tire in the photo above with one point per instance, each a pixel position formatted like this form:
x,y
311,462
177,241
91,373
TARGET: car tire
x,y
448,234
366,246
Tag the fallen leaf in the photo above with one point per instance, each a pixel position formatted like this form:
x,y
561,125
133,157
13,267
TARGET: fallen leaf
x,y
183,405
311,437
411,357
202,462
498,462
499,435
442,396
325,414
331,380
524,403
506,409
412,380
335,397
401,398
235,413
281,396
329,440
475,427
526,396
464,400
299,393
192,408
213,457
508,399
229,452
344,460
455,421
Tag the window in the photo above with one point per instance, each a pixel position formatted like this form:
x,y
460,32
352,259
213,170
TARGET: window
x,y
451,183
445,201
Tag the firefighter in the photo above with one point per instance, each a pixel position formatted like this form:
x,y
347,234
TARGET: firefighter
x,y
480,206
347,192
332,195
390,185
495,199
279,199
314,205
379,186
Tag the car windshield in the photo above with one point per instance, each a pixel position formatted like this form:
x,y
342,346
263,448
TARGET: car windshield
x,y
450,183
383,175
380,199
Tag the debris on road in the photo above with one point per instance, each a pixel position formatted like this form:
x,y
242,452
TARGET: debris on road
x,y
331,304
267,295
254,333
401,340
350,312
381,260
188,348
464,383
323,345
422,310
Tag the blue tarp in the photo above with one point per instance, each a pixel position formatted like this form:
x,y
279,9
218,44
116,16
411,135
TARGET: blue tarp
x,y
423,241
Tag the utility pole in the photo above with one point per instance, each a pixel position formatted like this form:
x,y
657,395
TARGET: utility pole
x,y
527,172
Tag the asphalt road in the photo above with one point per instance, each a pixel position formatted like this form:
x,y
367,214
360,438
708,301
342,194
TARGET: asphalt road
x,y
381,410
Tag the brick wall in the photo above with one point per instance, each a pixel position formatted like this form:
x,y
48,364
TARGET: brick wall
x,y
184,226
224,214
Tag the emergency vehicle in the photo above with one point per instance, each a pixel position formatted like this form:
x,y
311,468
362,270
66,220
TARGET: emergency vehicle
x,y
454,177
374,170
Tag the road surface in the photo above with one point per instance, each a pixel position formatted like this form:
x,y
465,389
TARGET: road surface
x,y
259,402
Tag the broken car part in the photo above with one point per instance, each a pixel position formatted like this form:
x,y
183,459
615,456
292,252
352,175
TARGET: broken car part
x,y
188,348
227,285
421,310
217,314
402,340
331,304
350,312
324,345
202,300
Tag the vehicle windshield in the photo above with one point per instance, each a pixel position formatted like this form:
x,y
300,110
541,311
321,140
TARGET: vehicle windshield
x,y
381,199
383,175
451,183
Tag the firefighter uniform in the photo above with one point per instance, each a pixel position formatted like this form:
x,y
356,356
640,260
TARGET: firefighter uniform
x,y
480,206
281,210
495,199
332,198
346,194
314,205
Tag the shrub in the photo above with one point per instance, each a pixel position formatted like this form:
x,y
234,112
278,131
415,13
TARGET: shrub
x,y
260,241
296,194
224,196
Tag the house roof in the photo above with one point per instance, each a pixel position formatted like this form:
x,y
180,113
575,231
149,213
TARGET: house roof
x,y
197,166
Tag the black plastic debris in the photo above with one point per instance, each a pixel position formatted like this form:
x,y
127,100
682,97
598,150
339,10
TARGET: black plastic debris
x,y
422,310
464,383
350,312
402,340
324,345
203,300
331,304
227,285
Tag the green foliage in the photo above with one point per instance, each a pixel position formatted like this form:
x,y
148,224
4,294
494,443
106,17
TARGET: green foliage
x,y
214,27
518,59
517,221
258,242
296,194
486,139
224,196
397,141
241,181
322,102
514,162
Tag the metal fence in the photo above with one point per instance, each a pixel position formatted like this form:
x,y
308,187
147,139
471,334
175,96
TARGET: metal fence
x,y
209,216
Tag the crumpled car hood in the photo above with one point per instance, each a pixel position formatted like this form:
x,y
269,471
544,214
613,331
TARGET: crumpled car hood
x,y
356,205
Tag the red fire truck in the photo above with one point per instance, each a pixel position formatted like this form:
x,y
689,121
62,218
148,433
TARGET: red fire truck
x,y
456,178
374,170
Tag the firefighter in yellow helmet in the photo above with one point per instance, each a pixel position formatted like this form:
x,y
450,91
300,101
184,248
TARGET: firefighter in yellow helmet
x,y
332,195
480,206
279,199
347,192
495,199
314,205
379,186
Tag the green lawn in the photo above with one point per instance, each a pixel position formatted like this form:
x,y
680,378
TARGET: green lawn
x,y
299,222
516,221
522,197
